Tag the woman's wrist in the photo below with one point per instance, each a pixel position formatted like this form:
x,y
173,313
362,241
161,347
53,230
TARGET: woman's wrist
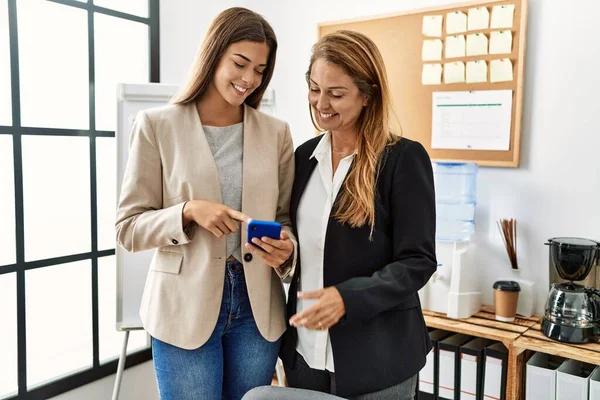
x,y
284,269
187,212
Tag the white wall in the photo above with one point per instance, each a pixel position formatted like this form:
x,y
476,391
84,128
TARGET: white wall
x,y
183,24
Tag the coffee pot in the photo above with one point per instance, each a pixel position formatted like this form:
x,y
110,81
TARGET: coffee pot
x,y
572,312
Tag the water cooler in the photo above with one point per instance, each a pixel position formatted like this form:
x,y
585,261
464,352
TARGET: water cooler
x,y
454,287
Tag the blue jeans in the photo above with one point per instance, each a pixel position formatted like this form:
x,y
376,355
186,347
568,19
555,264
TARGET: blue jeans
x,y
235,359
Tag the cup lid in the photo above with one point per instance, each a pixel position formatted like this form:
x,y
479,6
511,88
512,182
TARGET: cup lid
x,y
507,286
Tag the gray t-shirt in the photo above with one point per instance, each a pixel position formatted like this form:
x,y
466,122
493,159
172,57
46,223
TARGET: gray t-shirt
x,y
227,146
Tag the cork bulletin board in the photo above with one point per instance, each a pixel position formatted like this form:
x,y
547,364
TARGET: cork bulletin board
x,y
401,37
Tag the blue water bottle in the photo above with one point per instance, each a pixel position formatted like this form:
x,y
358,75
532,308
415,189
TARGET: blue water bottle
x,y
455,200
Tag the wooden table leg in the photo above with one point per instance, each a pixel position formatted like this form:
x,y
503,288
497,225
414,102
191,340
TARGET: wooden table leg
x,y
515,373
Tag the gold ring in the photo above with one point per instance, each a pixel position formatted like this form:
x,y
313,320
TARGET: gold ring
x,y
320,325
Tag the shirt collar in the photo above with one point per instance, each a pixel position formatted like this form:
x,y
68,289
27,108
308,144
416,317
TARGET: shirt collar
x,y
324,148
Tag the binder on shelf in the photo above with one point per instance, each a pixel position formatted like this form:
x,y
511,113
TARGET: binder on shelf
x,y
572,380
494,372
471,369
595,384
540,376
449,366
428,376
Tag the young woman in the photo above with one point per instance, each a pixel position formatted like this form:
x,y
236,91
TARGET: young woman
x,y
363,210
198,169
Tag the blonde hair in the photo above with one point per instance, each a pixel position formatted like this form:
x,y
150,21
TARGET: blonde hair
x,y
359,57
233,25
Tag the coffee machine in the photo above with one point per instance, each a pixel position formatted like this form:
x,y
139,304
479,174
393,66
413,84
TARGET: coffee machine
x,y
572,311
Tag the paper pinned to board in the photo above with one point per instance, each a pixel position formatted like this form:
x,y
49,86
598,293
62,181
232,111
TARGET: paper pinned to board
x,y
454,72
431,74
476,71
455,46
501,42
501,70
432,50
477,44
502,16
479,18
473,120
432,25
456,22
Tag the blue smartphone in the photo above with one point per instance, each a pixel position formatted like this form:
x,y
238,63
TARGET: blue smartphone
x,y
259,229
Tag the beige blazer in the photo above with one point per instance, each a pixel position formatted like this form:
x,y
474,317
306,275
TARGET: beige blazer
x,y
169,163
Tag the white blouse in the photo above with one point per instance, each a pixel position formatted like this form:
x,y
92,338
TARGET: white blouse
x,y
312,219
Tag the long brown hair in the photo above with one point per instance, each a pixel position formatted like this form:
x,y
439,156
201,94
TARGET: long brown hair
x,y
233,25
359,57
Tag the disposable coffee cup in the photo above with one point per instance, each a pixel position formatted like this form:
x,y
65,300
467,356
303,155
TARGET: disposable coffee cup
x,y
506,298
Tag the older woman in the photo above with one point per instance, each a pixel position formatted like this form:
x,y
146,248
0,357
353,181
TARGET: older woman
x,y
363,210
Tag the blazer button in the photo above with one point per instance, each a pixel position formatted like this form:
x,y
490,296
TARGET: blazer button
x,y
247,257
174,241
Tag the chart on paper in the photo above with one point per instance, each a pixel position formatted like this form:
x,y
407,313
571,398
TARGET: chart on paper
x,y
471,120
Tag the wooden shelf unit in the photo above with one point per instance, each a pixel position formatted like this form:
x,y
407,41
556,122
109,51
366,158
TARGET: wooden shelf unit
x,y
521,337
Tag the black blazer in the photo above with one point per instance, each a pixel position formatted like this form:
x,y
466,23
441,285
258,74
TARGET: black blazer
x,y
382,340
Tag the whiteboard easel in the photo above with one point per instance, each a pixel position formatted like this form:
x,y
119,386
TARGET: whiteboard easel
x,y
132,268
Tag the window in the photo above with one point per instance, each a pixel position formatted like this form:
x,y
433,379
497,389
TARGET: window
x,y
8,255
58,73
5,93
56,196
8,337
53,65
59,320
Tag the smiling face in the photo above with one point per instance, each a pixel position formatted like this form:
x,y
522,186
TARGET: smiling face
x,y
240,71
334,97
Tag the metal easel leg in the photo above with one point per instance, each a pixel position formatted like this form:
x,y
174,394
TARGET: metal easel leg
x,y
120,367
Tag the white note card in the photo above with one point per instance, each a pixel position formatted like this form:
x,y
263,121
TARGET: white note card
x,y
501,70
456,22
432,50
455,46
454,72
432,25
431,74
501,42
473,120
479,18
502,16
476,71
477,44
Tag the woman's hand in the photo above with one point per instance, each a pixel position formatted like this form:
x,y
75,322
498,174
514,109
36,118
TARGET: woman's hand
x,y
274,252
217,218
325,313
